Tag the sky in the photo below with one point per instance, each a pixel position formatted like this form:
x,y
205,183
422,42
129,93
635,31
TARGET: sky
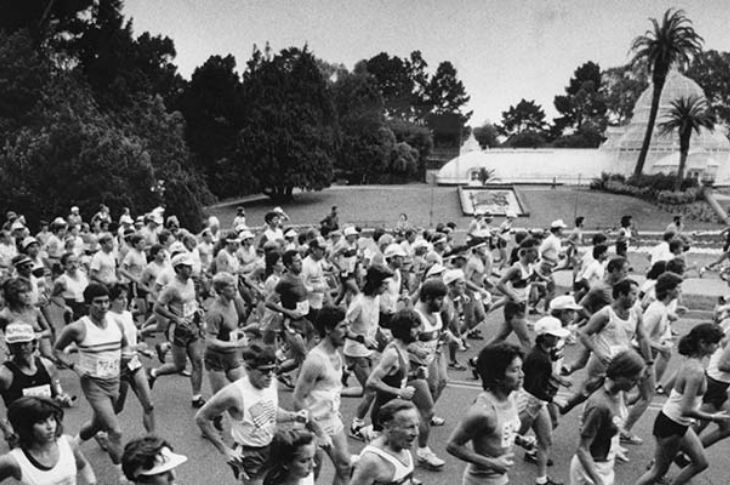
x,y
503,50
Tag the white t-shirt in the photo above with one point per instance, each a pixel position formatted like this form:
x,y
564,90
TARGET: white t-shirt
x,y
106,266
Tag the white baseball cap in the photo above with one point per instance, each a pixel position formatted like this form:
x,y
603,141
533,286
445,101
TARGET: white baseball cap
x,y
18,333
551,326
350,231
564,302
182,258
558,224
435,270
394,250
452,275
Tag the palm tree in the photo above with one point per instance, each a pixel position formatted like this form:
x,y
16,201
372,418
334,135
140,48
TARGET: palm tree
x,y
672,42
686,115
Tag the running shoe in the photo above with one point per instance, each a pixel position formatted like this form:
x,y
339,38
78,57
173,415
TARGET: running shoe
x,y
457,365
356,431
437,421
198,402
531,457
428,459
103,439
150,378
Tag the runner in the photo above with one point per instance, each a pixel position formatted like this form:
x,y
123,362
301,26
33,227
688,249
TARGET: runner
x,y
26,374
103,267
673,425
178,303
387,459
361,343
429,366
100,342
491,423
223,340
318,390
594,460
132,371
45,455
149,460
252,404
550,252
294,450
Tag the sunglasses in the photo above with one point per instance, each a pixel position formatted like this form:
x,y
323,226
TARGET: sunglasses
x,y
267,370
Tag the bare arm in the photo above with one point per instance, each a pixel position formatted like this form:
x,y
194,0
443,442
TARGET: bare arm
x,y
73,333
584,456
9,468
227,398
82,464
595,324
475,424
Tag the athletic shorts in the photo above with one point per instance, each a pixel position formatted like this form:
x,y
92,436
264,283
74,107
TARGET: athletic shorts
x,y
473,477
184,336
665,427
529,405
99,390
330,424
716,393
221,362
254,459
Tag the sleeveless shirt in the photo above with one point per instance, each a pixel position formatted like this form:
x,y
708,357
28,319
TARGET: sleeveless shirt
x,y
402,472
260,407
101,350
38,384
62,473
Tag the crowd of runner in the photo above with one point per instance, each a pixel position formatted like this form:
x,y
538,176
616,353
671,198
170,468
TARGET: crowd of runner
x,y
330,311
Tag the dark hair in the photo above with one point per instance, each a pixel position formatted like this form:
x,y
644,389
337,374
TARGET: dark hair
x,y
626,221
704,332
675,244
134,239
493,361
676,265
94,290
402,323
284,448
668,236
271,258
599,249
528,243
625,364
65,256
289,256
656,270
269,216
579,220
511,309
29,410
599,238
623,287
156,248
387,412
432,288
141,454
520,236
374,278
615,263
14,287
256,355
328,318
118,289
666,282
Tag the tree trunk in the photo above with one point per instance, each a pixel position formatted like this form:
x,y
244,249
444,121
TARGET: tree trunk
x,y
683,153
655,97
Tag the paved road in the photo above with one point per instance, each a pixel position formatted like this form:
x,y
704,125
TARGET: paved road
x,y
175,422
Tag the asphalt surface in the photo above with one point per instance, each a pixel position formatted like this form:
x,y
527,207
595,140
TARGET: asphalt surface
x,y
205,465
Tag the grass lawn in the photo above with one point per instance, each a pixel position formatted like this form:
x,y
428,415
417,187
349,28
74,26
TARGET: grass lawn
x,y
427,205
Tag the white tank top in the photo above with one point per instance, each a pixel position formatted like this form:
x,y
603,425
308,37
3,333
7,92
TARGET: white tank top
x,y
673,408
101,350
62,473
74,286
616,335
713,370
432,331
402,473
324,399
260,407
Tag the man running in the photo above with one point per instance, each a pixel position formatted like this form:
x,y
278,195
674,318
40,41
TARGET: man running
x,y
318,390
178,303
387,459
100,342
252,403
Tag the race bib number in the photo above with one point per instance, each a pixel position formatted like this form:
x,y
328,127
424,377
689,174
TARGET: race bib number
x,y
106,368
302,308
43,390
134,363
